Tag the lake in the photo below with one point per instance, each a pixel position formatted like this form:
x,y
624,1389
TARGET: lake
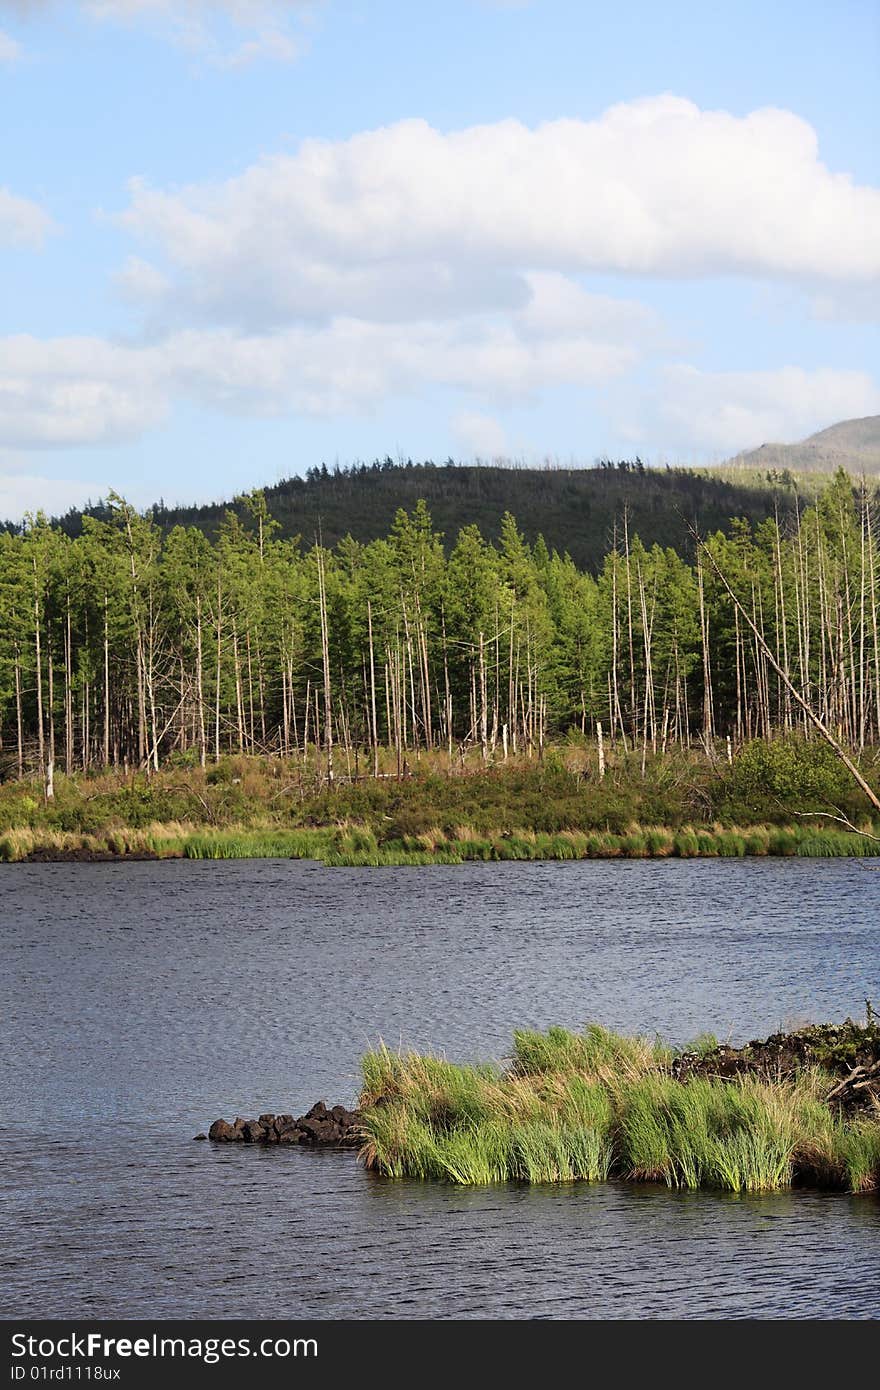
x,y
140,1001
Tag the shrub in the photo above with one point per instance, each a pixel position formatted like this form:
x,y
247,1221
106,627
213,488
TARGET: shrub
x,y
792,771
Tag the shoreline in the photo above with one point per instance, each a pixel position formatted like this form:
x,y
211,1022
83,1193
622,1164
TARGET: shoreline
x,y
776,799
356,846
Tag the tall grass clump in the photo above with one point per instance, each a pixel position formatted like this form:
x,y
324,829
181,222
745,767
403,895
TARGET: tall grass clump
x,y
859,1148
592,1105
426,1117
16,844
234,843
596,1052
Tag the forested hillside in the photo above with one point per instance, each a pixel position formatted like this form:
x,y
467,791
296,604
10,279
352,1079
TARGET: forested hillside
x,y
129,642
575,510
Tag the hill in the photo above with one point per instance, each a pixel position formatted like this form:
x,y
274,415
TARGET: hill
x,y
575,510
851,444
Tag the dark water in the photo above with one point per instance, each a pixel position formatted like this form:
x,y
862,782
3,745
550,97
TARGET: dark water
x,y
140,1001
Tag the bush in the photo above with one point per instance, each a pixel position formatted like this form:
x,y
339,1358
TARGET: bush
x,y
792,770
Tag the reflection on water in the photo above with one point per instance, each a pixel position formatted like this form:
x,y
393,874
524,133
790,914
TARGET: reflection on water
x,y
139,1001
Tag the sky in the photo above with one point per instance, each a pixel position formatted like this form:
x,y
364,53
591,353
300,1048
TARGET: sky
x,y
239,238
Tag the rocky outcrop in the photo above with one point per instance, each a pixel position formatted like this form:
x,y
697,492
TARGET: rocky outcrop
x,y
321,1127
849,1051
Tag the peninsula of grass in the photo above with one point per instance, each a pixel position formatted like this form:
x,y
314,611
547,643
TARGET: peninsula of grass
x,y
596,1106
784,797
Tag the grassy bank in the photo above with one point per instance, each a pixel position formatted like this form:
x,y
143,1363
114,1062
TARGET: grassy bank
x,y
356,846
777,798
592,1106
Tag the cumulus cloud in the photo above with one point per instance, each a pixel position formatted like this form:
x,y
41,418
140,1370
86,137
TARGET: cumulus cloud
x,y
558,306
350,365
77,391
22,222
354,272
724,412
74,391
80,391
407,215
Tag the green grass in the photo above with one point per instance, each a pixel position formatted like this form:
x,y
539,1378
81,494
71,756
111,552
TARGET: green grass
x,y
358,847
739,1137
595,1105
649,842
257,844
859,1149
594,1051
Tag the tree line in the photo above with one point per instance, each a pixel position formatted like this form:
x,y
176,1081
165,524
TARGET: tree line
x,y
575,508
127,643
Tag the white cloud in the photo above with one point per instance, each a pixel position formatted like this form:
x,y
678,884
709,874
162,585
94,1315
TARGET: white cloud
x,y
22,222
259,29
405,216
355,272
481,436
559,306
76,391
271,44
10,49
21,491
72,391
140,281
225,33
81,391
351,366
725,412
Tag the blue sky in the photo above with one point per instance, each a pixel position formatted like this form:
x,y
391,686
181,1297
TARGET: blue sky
x,y
240,237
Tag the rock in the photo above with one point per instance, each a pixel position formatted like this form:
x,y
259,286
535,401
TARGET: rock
x,y
319,1128
221,1132
322,1131
314,1131
200,1136
352,1136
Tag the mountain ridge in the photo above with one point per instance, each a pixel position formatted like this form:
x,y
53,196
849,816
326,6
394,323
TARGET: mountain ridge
x,y
850,444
